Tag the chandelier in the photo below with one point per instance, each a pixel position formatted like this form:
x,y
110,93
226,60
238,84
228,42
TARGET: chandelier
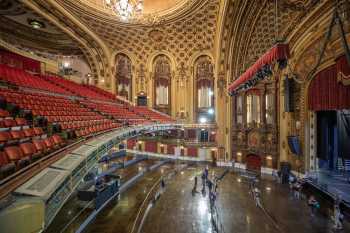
x,y
125,9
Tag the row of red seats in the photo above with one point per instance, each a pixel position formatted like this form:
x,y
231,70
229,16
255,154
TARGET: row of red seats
x,y
21,78
115,110
152,114
94,129
9,122
15,135
75,88
13,158
82,124
73,113
101,92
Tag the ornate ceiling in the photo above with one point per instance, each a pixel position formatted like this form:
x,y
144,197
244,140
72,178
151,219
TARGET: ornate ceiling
x,y
181,36
159,7
46,41
256,29
234,32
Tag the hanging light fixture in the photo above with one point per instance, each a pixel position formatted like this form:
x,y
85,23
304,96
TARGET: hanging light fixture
x,y
125,9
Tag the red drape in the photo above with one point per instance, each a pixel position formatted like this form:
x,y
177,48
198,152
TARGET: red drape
x,y
131,143
278,52
151,147
171,149
191,133
325,93
192,151
18,61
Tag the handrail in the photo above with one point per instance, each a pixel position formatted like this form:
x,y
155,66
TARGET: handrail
x,y
143,205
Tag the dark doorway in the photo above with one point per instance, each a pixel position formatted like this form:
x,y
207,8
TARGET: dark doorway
x,y
327,140
141,100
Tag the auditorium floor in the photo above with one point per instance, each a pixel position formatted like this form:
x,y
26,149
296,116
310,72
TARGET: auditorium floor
x,y
178,211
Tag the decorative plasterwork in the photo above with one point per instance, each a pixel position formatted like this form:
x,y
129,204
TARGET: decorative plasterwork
x,y
182,36
178,11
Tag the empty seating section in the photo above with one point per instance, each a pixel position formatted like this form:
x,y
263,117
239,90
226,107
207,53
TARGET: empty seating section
x,y
68,114
101,92
18,142
21,78
75,88
153,115
117,111
35,119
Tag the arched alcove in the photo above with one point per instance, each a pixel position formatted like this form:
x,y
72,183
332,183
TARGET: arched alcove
x,y
162,83
204,90
123,76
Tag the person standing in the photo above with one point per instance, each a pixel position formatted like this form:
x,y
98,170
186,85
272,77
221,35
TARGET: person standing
x,y
338,218
313,204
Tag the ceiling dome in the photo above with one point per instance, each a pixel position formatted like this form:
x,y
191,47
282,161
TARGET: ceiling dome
x,y
150,6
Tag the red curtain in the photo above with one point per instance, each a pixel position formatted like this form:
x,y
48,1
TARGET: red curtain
x,y
278,52
191,133
192,151
325,93
151,147
18,61
171,149
131,143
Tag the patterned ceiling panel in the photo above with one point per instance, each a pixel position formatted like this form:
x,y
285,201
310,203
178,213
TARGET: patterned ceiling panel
x,y
182,38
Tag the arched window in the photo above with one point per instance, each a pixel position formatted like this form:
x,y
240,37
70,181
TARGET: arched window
x,y
162,83
124,76
204,89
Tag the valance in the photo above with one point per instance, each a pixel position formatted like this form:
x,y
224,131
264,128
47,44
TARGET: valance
x,y
280,52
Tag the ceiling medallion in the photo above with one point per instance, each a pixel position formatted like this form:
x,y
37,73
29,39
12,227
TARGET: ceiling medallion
x,y
126,10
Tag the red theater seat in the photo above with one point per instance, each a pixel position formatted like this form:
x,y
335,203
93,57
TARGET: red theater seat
x,y
21,121
58,140
9,123
4,113
13,153
29,150
5,136
6,167
40,146
49,143
29,132
38,131
17,134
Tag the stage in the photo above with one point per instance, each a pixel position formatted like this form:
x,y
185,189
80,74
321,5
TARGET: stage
x,y
332,183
